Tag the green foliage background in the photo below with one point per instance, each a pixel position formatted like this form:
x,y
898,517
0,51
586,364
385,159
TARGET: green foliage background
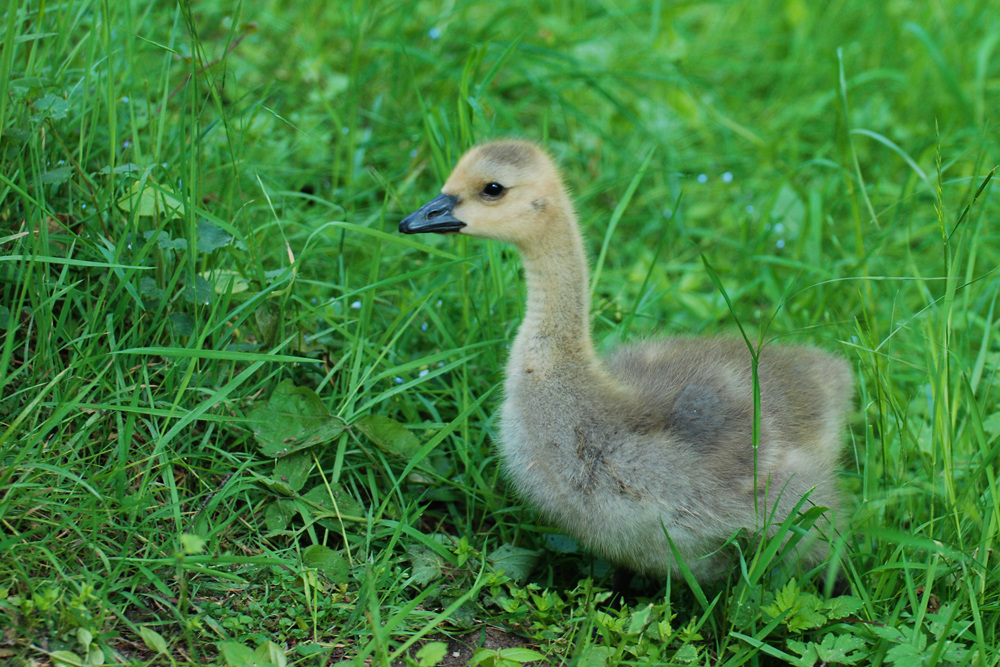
x,y
237,407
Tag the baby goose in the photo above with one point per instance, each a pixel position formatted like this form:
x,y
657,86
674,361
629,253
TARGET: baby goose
x,y
657,439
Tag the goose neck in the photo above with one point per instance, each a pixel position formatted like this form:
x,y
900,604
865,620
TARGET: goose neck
x,y
557,316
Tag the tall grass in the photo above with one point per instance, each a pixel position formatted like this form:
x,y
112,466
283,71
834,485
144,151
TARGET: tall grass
x,y
199,269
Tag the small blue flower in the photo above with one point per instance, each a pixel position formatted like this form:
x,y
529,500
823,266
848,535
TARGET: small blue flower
x,y
727,177
423,373
703,178
434,33
356,305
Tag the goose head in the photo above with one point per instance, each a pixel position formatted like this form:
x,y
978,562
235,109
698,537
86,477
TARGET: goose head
x,y
505,190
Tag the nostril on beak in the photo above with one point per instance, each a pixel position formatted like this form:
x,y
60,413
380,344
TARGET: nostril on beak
x,y
434,216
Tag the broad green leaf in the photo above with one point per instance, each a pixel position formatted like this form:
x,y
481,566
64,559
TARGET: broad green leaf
x,y
235,654
955,652
270,653
808,655
52,106
638,620
789,210
211,238
520,654
293,470
389,435
56,176
192,544
164,242
992,423
200,292
900,635
687,654
431,654
127,168
267,317
278,486
279,514
67,658
748,606
293,418
426,564
151,200
841,607
331,564
834,649
307,649
841,649
905,655
516,562
153,640
149,289
505,657
84,637
223,282
182,324
805,617
340,503
597,656
563,544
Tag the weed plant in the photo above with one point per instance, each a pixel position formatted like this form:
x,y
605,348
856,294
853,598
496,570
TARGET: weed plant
x,y
243,421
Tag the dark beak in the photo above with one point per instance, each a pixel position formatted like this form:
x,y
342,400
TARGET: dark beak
x,y
434,216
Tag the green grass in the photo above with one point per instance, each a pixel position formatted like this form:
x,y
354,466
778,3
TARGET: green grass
x,y
199,271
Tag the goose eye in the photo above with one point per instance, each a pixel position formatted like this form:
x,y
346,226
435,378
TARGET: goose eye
x,y
493,190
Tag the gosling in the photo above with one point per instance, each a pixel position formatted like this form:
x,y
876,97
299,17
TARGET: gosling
x,y
657,439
